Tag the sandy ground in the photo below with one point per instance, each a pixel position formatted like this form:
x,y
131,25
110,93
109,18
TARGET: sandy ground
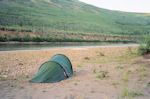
x,y
99,73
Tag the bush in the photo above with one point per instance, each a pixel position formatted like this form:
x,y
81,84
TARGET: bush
x,y
144,48
3,39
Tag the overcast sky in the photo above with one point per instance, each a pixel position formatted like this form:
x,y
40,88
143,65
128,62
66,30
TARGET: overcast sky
x,y
122,5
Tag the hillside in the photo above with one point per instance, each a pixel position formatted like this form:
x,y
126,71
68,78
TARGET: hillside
x,y
69,16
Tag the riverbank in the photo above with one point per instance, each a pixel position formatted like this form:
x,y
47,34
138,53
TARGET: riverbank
x,y
8,36
68,42
99,73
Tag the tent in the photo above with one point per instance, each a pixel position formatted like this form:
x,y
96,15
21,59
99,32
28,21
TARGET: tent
x,y
56,69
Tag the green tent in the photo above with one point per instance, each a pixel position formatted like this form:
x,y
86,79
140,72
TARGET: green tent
x,y
56,69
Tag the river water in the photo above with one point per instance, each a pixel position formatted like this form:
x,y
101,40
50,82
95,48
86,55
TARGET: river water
x,y
12,47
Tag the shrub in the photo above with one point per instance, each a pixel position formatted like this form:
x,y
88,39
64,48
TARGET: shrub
x,y
3,39
144,48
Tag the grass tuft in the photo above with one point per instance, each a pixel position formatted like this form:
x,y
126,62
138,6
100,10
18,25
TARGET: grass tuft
x,y
120,67
125,92
13,85
75,83
136,94
103,74
100,54
94,70
126,77
129,71
79,65
99,76
142,76
44,91
140,69
115,83
148,84
21,87
20,63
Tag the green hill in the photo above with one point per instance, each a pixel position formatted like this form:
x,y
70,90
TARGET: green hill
x,y
69,16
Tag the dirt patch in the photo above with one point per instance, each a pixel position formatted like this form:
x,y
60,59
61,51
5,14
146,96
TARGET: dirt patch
x,y
115,74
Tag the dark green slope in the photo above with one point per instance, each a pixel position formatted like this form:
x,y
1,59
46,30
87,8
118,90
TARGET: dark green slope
x,y
69,16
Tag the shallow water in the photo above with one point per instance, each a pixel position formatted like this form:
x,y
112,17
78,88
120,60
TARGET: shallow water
x,y
11,47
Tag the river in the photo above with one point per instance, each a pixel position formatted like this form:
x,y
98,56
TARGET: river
x,y
12,47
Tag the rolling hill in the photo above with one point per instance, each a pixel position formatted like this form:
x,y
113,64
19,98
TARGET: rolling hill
x,y
69,16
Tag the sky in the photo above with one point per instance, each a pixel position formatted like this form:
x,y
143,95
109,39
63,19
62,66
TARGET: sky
x,y
142,6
